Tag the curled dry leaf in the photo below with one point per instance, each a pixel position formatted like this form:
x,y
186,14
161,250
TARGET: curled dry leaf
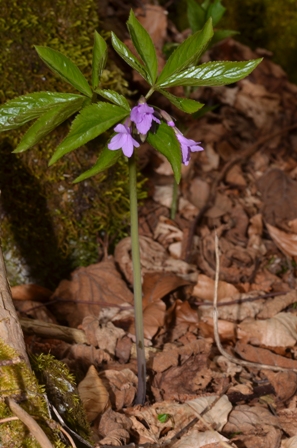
x,y
284,383
197,439
287,418
115,428
289,443
248,420
263,356
104,336
227,330
204,289
93,394
30,292
89,289
217,416
279,331
121,386
167,232
153,319
163,195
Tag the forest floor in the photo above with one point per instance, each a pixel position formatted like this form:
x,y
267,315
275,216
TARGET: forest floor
x,y
242,190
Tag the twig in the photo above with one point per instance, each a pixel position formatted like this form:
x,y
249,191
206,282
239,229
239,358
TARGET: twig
x,y
240,158
31,424
223,352
53,331
240,300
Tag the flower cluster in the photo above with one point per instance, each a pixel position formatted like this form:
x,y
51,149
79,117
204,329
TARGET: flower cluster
x,y
143,116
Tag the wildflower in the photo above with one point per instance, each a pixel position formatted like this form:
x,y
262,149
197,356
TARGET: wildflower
x,y
123,140
168,118
187,146
143,116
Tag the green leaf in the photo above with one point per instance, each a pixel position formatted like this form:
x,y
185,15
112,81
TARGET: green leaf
x,y
186,54
144,46
128,56
222,34
92,121
20,110
187,105
99,58
65,68
114,97
216,11
165,141
47,122
196,15
212,74
106,159
205,4
163,418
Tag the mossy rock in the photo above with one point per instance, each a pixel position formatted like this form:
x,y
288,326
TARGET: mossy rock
x,y
48,225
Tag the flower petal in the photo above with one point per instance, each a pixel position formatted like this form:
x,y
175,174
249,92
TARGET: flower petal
x,y
116,142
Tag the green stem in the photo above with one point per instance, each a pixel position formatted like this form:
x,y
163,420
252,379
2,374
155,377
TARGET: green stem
x,y
174,200
149,93
141,364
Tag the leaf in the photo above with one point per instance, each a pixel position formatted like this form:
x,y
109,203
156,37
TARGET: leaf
x,y
20,110
165,141
65,68
222,34
47,122
186,54
99,58
91,122
144,46
114,97
187,105
106,159
128,56
93,394
196,15
212,74
216,11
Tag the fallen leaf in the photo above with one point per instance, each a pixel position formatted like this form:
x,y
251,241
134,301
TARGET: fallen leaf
x,y
93,394
31,292
121,386
289,443
286,242
197,439
115,428
204,289
104,336
89,289
263,356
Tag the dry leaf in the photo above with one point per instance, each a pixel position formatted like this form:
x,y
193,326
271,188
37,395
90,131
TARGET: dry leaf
x,y
217,416
197,439
31,292
199,192
115,428
89,289
221,206
248,419
289,443
286,242
263,356
279,331
104,336
93,394
121,386
204,289
235,177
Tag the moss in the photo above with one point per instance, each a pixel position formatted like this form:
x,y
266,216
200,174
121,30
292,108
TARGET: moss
x,y
48,225
19,383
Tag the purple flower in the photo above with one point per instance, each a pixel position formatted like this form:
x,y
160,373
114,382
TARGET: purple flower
x,y
123,140
143,115
187,146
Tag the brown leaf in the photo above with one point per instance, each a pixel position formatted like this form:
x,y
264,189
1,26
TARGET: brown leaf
x,y
286,242
204,289
115,427
157,285
263,356
249,420
284,383
104,336
93,394
153,319
121,386
30,292
221,206
89,289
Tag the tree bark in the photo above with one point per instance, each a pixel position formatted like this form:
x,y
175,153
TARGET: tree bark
x,y
10,328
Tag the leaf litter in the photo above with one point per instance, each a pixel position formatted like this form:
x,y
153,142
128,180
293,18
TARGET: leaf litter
x,y
242,188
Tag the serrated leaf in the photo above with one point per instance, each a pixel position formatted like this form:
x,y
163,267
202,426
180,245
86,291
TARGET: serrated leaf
x,y
186,54
222,34
196,15
20,110
65,68
99,58
128,56
91,122
216,11
185,104
165,141
144,46
47,122
212,74
114,97
106,159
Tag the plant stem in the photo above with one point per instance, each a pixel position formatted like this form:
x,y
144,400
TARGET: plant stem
x,y
174,199
141,364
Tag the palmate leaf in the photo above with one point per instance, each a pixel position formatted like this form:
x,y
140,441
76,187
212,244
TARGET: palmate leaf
x,y
65,68
92,121
99,58
106,159
114,97
144,46
187,54
187,105
165,141
128,56
47,122
20,110
212,74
